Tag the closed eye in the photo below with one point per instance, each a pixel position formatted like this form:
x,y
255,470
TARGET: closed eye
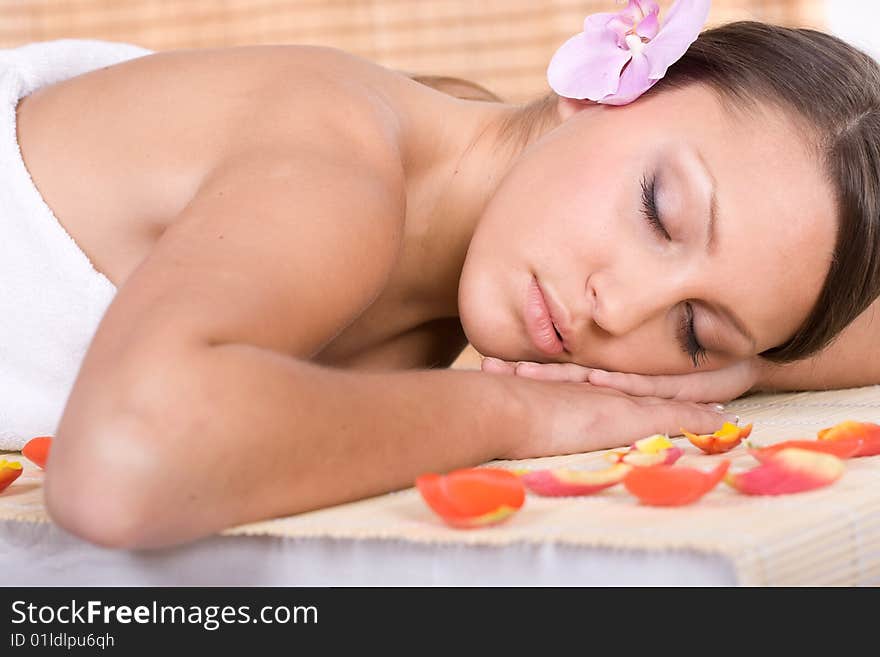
x,y
687,337
649,207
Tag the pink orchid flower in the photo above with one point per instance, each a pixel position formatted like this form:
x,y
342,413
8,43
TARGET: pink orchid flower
x,y
619,56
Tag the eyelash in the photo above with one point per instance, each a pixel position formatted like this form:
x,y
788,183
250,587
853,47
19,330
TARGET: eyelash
x,y
649,207
687,336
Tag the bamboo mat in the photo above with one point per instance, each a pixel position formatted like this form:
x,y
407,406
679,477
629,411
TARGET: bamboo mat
x,y
504,45
830,536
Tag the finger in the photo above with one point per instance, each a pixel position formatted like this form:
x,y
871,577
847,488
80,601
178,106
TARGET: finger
x,y
671,417
553,371
719,385
712,386
638,384
628,419
660,401
497,366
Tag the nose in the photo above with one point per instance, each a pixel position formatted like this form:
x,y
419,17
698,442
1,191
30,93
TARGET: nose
x,y
621,304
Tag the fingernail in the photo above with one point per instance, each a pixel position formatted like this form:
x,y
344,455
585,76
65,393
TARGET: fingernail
x,y
718,407
730,417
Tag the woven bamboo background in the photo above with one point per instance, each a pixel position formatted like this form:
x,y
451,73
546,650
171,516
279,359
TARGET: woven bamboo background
x,y
504,45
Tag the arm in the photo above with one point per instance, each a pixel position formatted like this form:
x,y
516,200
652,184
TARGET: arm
x,y
242,433
196,408
198,366
853,359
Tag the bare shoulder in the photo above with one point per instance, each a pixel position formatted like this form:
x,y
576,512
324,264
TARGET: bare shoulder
x,y
178,114
281,254
300,206
317,98
319,95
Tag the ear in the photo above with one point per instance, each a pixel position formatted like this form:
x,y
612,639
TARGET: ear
x,y
568,107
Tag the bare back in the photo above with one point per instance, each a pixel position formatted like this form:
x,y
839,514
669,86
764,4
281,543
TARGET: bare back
x,y
119,152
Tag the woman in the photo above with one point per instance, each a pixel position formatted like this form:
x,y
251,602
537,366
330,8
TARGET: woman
x,y
296,234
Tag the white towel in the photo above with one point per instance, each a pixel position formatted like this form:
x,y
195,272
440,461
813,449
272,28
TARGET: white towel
x,y
51,297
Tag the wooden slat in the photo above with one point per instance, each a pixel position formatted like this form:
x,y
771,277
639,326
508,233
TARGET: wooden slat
x,y
502,44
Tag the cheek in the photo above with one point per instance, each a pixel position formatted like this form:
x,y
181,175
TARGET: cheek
x,y
640,352
489,294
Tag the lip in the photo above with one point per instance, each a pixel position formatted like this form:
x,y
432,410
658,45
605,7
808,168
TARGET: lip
x,y
539,321
559,318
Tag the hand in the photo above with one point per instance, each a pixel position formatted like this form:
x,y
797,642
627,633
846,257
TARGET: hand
x,y
565,417
719,385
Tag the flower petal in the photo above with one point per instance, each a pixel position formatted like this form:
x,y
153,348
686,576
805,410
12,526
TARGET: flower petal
x,y
636,10
667,485
663,457
472,497
9,472
598,22
36,450
652,444
867,431
621,28
649,7
634,81
653,450
565,483
588,66
649,27
725,439
680,29
790,470
842,449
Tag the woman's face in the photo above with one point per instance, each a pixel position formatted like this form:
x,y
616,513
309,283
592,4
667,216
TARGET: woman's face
x,y
637,293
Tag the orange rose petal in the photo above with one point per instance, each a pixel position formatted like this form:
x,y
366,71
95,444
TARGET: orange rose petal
x,y
36,450
472,497
842,449
790,470
9,472
667,485
723,440
868,432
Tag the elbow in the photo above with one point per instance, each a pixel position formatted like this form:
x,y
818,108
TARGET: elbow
x,y
105,487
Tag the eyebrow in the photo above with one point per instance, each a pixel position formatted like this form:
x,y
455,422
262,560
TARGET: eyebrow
x,y
713,203
735,321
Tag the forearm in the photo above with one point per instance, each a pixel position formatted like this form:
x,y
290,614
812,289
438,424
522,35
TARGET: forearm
x,y
252,434
853,359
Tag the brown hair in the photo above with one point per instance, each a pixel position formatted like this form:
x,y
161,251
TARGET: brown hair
x,y
835,89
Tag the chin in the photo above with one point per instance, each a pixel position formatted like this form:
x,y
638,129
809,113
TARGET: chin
x,y
491,336
489,324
